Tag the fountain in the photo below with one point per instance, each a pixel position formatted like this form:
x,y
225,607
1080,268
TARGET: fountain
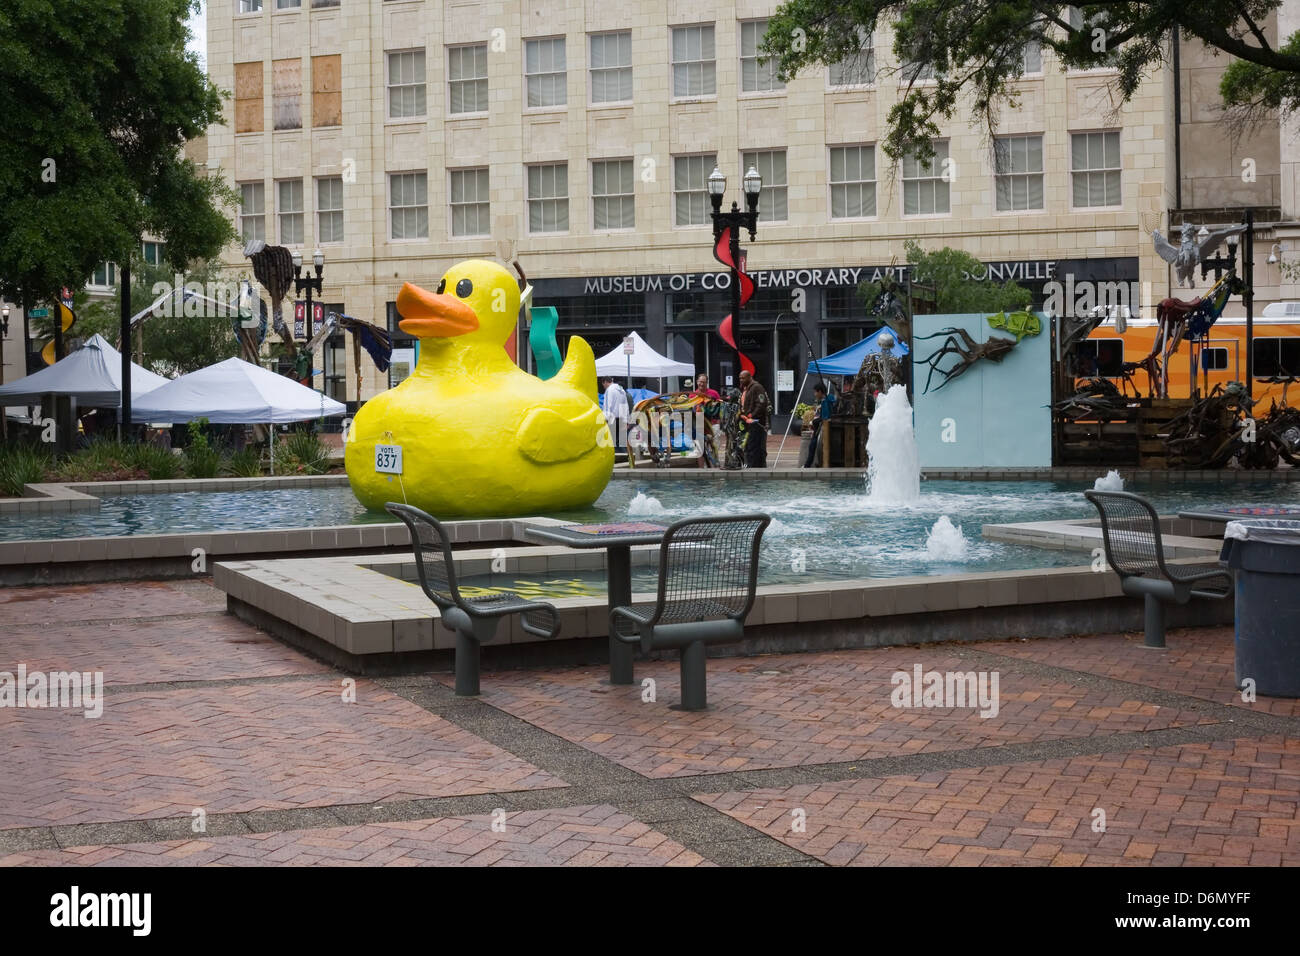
x,y
894,468
945,542
1110,482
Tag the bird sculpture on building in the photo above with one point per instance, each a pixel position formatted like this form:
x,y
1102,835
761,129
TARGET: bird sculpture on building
x,y
1188,253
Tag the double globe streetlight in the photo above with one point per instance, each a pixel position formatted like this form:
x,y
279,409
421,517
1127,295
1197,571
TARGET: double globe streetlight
x,y
736,219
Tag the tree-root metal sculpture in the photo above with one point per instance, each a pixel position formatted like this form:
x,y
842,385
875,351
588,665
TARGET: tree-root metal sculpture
x,y
959,343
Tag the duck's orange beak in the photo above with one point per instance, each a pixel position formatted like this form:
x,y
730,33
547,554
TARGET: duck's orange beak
x,y
429,315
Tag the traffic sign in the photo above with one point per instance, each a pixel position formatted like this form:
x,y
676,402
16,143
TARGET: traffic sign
x,y
39,313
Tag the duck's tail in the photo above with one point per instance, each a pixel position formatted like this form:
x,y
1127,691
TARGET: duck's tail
x,y
579,368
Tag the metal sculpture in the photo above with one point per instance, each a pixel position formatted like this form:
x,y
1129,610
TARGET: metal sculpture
x,y
273,267
879,370
1188,254
959,342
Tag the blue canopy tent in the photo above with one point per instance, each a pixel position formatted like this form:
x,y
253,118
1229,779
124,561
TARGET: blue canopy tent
x,y
848,361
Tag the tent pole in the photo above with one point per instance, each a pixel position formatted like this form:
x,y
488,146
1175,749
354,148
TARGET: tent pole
x,y
790,422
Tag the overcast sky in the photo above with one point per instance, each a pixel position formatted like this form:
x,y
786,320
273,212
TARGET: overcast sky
x,y
199,34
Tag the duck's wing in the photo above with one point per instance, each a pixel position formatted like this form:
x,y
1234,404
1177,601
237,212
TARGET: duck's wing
x,y
579,369
547,436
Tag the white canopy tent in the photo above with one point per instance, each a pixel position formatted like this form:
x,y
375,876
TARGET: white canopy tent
x,y
234,392
644,362
92,375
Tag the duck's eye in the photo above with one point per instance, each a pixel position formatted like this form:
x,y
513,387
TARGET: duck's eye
x,y
442,286
463,288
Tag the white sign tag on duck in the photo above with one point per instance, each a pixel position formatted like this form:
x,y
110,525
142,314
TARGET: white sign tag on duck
x,y
388,459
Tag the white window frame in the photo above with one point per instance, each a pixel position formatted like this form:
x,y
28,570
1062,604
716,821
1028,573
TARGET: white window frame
x,y
484,201
463,81
249,6
1011,176
597,197
592,70
764,67
288,4
746,156
160,253
323,210
710,162
1074,16
281,212
416,173
563,73
259,188
389,86
558,198
110,273
934,170
708,66
874,181
1119,148
867,49
1024,58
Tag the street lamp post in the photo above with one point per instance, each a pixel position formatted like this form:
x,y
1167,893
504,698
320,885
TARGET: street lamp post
x,y
4,331
308,284
736,220
1229,262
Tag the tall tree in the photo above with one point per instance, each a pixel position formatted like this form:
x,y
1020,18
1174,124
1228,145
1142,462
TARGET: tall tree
x,y
975,48
955,280
99,99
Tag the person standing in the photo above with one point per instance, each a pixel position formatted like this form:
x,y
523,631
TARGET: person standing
x,y
754,411
708,440
825,409
617,412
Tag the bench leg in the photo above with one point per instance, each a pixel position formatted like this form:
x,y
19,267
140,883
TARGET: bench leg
x,y
694,695
1155,622
467,652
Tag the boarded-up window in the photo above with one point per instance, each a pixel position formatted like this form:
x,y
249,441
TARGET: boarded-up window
x,y
286,94
248,97
327,90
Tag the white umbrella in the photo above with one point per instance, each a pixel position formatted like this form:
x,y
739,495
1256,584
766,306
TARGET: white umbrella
x,y
234,392
92,375
644,362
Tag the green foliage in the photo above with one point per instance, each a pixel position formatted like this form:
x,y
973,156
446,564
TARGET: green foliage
x,y
974,49
246,463
160,464
302,452
99,99
202,458
21,464
952,275
106,459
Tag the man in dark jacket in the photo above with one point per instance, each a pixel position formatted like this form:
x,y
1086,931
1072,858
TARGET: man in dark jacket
x,y
754,410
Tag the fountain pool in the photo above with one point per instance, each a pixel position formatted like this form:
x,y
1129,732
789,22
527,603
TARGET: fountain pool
x,y
821,529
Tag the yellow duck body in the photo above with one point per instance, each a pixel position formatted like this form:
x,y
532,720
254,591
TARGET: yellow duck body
x,y
480,437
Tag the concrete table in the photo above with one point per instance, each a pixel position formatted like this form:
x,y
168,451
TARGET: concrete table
x,y
617,540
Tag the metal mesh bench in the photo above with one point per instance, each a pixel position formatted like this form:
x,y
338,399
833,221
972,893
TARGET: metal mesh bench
x,y
1130,530
474,620
708,574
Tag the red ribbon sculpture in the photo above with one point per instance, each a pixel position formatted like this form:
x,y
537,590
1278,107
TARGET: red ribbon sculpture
x,y
727,328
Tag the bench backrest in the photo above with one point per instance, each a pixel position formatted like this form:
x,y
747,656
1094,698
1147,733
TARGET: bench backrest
x,y
433,558
708,568
1130,530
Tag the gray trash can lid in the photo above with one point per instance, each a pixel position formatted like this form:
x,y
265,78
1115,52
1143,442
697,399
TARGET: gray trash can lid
x,y
1265,531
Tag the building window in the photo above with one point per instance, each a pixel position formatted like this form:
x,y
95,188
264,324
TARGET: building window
x,y
612,203
858,69
853,182
287,4
1093,25
925,184
916,72
548,198
286,94
771,166
694,64
471,212
324,3
611,67
1095,168
250,6
329,209
408,205
1031,57
467,78
1018,172
105,276
248,98
544,68
289,209
327,90
1273,357
252,210
690,192
757,74
152,253
842,304
406,84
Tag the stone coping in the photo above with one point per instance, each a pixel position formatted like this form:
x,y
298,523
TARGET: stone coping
x,y
1179,537
1072,473
50,497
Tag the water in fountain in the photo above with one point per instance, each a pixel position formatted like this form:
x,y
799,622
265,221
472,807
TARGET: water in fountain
x,y
945,542
644,505
1111,482
894,469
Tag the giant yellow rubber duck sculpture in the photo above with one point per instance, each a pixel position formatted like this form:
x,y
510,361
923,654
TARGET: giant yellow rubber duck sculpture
x,y
478,436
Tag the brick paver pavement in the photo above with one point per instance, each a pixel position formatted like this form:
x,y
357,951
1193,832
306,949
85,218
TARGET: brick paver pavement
x,y
1221,803
572,836
788,710
105,602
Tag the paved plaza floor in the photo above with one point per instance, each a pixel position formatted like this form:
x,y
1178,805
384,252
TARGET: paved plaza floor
x,y
219,745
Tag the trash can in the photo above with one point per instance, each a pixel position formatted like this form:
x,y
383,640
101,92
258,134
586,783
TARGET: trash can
x,y
1264,554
